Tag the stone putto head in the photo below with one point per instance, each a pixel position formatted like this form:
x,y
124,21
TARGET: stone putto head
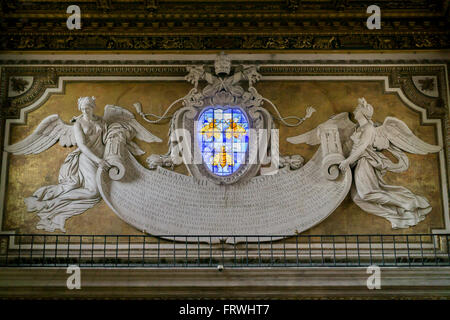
x,y
365,108
88,101
222,64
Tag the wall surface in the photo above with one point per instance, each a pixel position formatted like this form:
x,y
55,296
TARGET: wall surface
x,y
28,173
331,83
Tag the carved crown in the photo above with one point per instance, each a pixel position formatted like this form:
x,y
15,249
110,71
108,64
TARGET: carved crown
x,y
222,64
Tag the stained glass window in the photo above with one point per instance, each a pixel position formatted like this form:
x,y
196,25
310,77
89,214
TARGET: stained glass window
x,y
223,137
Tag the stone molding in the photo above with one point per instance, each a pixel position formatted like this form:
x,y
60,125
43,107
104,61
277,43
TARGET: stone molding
x,y
47,77
239,283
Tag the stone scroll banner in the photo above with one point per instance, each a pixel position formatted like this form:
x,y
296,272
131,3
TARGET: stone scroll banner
x,y
163,203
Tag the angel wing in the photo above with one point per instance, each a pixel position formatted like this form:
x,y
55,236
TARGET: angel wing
x,y
345,127
47,133
397,132
120,115
311,137
116,114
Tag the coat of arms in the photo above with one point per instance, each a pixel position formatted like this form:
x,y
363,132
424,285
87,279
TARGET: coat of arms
x,y
223,132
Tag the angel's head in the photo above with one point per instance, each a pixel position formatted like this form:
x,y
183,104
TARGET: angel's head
x,y
363,109
86,105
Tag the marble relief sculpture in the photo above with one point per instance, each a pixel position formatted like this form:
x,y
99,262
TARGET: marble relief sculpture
x,y
77,188
226,192
362,145
370,192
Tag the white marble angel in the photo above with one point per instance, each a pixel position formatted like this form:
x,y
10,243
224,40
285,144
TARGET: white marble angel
x,y
370,192
77,188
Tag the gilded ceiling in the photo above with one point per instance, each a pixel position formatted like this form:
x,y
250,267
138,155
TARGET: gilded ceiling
x,y
295,25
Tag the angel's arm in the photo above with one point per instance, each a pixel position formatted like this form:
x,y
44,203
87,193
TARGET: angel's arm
x,y
366,139
81,142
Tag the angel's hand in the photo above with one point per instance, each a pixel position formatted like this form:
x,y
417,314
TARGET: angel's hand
x,y
104,165
344,165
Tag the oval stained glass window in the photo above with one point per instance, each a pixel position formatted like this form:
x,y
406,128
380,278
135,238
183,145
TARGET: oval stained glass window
x,y
223,137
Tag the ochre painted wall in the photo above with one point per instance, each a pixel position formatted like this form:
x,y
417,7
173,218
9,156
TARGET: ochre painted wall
x,y
28,173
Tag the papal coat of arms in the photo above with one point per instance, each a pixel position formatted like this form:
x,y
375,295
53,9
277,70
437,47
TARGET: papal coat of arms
x,y
223,138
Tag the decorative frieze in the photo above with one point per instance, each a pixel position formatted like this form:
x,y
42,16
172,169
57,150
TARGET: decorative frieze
x,y
215,25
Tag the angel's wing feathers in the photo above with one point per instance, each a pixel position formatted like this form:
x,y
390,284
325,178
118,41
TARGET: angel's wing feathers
x,y
398,133
119,114
310,137
143,134
47,133
134,148
114,113
341,120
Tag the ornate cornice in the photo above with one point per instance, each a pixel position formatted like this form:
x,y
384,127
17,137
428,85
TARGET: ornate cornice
x,y
216,25
47,77
221,5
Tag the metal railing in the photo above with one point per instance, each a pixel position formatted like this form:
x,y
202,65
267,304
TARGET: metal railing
x,y
178,251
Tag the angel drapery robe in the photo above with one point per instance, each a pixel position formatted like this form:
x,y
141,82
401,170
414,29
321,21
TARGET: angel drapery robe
x,y
372,194
76,190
